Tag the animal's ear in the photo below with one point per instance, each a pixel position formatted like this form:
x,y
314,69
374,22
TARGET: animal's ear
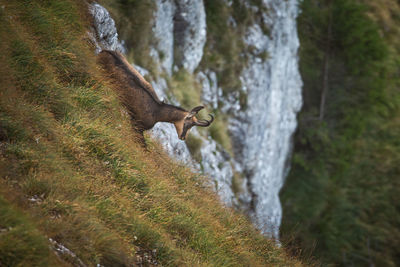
x,y
196,110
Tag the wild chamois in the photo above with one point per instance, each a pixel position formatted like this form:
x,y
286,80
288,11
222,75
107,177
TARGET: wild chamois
x,y
142,102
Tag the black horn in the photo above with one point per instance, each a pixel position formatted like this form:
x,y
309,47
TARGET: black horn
x,y
196,110
204,123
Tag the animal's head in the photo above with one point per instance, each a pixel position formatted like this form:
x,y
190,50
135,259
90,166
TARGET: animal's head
x,y
183,126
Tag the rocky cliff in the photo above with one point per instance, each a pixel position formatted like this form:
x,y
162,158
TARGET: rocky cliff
x,y
259,113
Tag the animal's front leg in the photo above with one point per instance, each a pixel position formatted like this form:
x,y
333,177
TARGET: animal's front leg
x,y
141,140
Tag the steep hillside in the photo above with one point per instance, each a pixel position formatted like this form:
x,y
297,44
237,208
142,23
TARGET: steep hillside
x,y
75,188
240,59
341,198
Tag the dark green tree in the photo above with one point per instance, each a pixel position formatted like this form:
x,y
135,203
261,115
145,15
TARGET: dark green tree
x,y
341,197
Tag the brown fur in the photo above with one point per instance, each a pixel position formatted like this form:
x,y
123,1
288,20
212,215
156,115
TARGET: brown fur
x,y
140,99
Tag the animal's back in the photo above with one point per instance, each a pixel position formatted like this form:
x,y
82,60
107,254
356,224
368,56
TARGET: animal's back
x,y
136,93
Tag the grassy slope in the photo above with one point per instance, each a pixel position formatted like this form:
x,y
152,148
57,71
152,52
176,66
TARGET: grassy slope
x,y
67,145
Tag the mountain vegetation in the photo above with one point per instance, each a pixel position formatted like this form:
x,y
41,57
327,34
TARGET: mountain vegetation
x,y
341,199
76,189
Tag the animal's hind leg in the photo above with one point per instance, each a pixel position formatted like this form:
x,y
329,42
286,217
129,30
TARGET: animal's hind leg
x,y
139,136
140,139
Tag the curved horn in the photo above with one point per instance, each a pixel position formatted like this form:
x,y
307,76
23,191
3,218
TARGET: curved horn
x,y
196,110
204,123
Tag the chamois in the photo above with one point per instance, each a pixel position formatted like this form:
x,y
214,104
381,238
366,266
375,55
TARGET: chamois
x,y
142,102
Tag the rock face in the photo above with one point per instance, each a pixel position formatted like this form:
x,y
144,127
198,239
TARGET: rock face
x,y
211,93
274,97
189,33
105,33
163,30
180,27
261,133
166,133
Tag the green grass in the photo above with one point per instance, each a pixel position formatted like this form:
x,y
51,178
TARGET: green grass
x,y
219,132
71,169
21,244
194,145
185,89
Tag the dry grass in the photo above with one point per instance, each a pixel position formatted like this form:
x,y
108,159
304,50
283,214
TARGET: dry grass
x,y
72,171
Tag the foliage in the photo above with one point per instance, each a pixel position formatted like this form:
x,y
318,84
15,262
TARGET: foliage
x,y
219,132
194,145
340,195
72,171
